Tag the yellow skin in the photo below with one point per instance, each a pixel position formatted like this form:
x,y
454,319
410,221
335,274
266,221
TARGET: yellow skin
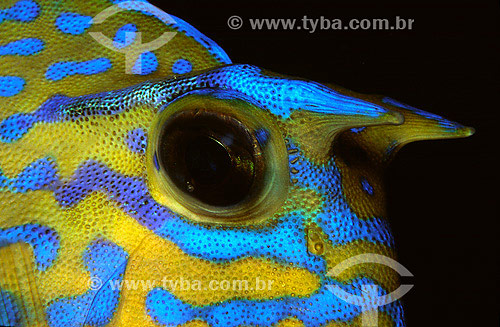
x,y
321,175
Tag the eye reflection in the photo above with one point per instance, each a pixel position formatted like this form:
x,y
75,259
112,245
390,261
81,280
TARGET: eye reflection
x,y
211,156
207,159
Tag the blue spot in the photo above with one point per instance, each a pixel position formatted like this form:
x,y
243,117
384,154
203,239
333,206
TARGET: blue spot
x,y
71,23
145,64
182,66
24,47
125,36
39,175
10,315
262,136
22,11
366,186
43,240
63,69
137,141
11,85
106,263
358,130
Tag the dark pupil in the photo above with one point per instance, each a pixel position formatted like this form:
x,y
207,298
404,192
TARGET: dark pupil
x,y
209,156
207,160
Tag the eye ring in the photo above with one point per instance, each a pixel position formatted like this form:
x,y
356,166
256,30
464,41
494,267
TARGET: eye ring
x,y
216,157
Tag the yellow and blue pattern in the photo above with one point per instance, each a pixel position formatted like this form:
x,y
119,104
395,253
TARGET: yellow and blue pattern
x,y
86,203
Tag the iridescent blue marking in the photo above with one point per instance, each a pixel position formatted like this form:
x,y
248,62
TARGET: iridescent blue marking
x,y
24,47
280,96
37,176
137,140
358,130
443,122
155,162
106,263
283,241
210,45
10,314
3,180
11,85
131,194
316,310
283,96
262,136
336,218
125,36
63,69
72,23
17,125
145,64
43,240
22,11
182,66
367,187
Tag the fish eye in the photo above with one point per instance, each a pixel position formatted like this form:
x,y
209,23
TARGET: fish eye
x,y
217,158
211,156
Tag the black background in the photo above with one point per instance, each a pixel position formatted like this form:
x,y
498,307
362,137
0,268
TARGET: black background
x,y
443,203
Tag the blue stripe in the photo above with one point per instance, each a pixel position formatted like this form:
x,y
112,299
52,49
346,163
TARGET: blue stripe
x,y
315,310
24,47
63,69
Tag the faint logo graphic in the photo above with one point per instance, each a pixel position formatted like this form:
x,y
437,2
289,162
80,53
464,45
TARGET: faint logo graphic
x,y
135,49
370,299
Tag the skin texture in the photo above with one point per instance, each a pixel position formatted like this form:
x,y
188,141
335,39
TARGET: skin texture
x,y
92,233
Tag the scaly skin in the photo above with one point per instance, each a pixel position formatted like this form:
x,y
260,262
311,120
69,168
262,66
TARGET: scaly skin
x,y
85,212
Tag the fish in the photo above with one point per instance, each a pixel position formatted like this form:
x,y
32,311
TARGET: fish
x,y
147,180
